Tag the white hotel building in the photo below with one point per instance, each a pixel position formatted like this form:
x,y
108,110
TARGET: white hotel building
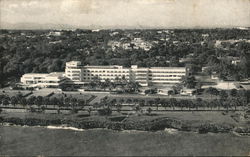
x,y
76,73
145,76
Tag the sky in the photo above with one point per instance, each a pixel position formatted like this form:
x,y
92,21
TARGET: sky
x,y
124,13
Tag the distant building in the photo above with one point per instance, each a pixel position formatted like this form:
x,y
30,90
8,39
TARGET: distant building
x,y
215,76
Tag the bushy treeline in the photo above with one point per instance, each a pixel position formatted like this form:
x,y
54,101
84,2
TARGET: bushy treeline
x,y
225,101
42,51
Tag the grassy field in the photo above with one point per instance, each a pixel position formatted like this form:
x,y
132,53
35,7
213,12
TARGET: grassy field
x,y
98,142
76,95
194,117
11,93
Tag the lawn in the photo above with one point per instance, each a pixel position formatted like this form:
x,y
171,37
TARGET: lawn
x,y
11,93
41,141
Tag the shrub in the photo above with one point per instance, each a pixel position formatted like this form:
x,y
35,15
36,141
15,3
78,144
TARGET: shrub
x,y
105,112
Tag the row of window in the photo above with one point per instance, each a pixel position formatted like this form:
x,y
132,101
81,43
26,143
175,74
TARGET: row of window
x,y
166,79
105,71
104,75
179,72
89,78
166,75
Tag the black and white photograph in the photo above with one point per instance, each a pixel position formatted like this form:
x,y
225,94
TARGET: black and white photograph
x,y
124,77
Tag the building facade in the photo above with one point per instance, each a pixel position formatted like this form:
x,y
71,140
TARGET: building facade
x,y
144,76
43,79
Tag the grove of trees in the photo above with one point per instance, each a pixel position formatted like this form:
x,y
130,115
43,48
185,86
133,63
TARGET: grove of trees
x,y
25,51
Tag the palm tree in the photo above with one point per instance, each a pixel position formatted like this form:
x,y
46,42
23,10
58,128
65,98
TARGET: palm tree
x,y
81,102
173,102
38,101
183,103
5,101
104,101
223,95
129,101
113,102
135,101
198,103
157,101
118,107
121,101
165,104
137,108
13,100
31,100
212,91
23,102
73,102
66,102
150,102
141,102
233,92
226,105
54,101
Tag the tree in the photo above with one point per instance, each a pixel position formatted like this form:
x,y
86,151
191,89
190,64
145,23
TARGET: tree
x,y
212,91
121,101
137,108
149,110
157,101
89,110
129,101
142,102
189,81
223,95
105,111
233,92
81,102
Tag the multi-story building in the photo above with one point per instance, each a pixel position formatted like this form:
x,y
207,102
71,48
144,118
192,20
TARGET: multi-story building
x,y
54,79
145,76
79,74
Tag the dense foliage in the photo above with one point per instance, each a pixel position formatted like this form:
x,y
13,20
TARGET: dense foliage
x,y
46,50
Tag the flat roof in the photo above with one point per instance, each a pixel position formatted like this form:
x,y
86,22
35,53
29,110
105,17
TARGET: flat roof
x,y
105,67
246,87
36,74
53,74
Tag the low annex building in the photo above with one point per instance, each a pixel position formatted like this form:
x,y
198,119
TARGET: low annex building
x,y
54,79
